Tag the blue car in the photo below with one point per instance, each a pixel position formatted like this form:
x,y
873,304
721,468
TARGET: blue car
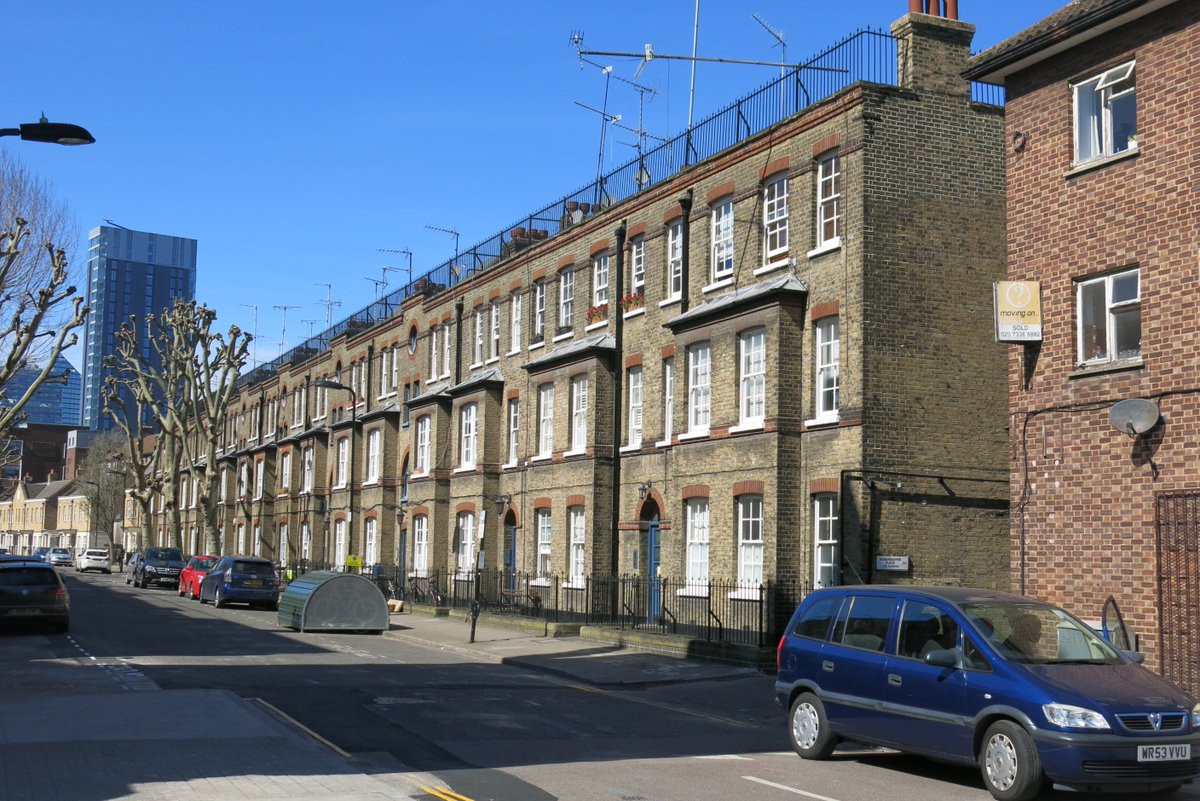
x,y
242,579
1018,687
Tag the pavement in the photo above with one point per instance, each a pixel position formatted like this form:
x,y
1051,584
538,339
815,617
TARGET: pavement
x,y
101,740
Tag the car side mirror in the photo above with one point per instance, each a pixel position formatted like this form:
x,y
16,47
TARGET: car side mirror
x,y
942,658
1134,656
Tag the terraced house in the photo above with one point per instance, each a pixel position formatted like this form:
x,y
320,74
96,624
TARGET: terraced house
x,y
760,355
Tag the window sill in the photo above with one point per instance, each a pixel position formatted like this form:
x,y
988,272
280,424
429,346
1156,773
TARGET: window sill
x,y
539,582
671,301
574,585
756,425
475,365
411,476
370,483
492,360
515,352
577,452
596,326
693,435
562,337
663,443
692,592
545,458
720,283
825,247
535,345
467,468
1115,366
637,312
633,447
771,267
745,595
822,422
1082,167
509,466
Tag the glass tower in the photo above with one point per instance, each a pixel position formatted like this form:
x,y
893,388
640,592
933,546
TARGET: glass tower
x,y
130,273
57,400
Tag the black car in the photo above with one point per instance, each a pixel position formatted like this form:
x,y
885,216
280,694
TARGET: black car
x,y
156,566
31,591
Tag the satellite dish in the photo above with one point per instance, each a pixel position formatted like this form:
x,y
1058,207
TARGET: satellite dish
x,y
1134,416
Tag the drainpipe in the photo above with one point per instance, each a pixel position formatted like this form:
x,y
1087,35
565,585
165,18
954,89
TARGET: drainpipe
x,y
614,306
685,203
458,318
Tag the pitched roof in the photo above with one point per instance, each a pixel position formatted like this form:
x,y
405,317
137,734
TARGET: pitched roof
x,y
1070,26
744,296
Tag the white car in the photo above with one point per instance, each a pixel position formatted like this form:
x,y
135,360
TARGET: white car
x,y
93,559
60,557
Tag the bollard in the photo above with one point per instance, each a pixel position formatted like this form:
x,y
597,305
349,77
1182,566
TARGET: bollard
x,y
474,617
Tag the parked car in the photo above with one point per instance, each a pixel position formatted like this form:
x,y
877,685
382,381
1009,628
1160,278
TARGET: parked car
x,y
32,591
156,566
132,564
193,572
93,559
1016,686
61,557
245,579
41,553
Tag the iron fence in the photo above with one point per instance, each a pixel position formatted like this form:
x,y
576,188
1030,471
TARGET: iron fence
x,y
713,610
867,56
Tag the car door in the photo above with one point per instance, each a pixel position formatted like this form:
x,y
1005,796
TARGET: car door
x,y
852,670
925,707
208,585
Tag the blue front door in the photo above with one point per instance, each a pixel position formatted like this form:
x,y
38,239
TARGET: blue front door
x,y
654,599
510,557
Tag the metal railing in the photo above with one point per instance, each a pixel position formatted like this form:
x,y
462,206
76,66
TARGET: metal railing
x,y
720,611
867,55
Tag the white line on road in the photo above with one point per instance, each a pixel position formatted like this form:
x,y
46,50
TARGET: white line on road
x,y
788,789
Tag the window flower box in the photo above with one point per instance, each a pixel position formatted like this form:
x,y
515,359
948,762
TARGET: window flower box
x,y
634,300
597,313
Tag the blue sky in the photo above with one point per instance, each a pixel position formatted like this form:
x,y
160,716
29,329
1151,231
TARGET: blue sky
x,y
295,140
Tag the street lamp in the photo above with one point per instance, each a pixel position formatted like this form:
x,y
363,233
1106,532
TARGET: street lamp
x,y
55,133
326,383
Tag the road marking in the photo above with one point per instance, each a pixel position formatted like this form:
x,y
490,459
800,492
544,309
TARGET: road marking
x,y
444,793
788,789
729,757
656,704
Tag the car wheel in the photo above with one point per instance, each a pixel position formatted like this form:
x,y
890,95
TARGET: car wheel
x,y
220,601
128,579
1009,763
195,591
108,572
181,589
808,728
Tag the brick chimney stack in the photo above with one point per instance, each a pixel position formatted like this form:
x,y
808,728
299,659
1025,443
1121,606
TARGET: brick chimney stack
x,y
933,49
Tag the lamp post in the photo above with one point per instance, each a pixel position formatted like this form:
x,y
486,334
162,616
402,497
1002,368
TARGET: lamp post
x,y
56,133
326,383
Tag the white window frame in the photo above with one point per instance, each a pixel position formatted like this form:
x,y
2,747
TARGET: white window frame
x,y
424,424
308,456
545,420
464,527
697,512
341,546
579,413
468,450
600,279
285,470
825,540
370,541
545,543
514,323
374,455
752,378
477,350
305,540
445,350
827,351
433,351
566,297
674,272
635,411
343,462
258,540
721,240
514,430
494,346
699,388
1118,306
260,467
385,369
1099,104
668,401
775,220
539,310
829,201
750,523
241,537
283,544
577,537
637,265
421,545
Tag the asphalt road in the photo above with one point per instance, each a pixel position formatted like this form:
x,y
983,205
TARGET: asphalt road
x,y
487,731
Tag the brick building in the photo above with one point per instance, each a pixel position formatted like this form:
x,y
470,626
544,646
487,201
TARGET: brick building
x,y
773,364
1103,129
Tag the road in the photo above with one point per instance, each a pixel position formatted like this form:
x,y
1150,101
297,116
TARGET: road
x,y
442,718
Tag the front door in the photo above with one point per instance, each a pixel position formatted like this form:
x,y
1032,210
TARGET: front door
x,y
510,555
654,598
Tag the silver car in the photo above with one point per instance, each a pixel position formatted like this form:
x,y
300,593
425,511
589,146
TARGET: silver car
x,y
93,559
60,557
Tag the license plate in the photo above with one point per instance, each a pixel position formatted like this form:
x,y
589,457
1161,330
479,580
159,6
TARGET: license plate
x,y
253,582
1164,753
20,612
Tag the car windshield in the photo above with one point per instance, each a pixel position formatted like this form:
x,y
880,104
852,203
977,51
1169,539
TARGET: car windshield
x,y
59,550
202,564
1039,634
165,554
255,568
97,553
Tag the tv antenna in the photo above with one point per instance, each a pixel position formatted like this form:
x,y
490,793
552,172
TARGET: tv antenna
x,y
782,44
311,323
328,303
283,326
379,284
406,270
454,268
253,335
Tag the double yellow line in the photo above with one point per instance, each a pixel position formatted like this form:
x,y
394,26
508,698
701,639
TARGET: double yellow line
x,y
444,793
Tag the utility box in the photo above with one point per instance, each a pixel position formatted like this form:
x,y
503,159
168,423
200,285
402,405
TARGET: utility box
x,y
327,601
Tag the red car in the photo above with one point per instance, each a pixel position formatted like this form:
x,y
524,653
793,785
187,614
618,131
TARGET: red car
x,y
193,573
